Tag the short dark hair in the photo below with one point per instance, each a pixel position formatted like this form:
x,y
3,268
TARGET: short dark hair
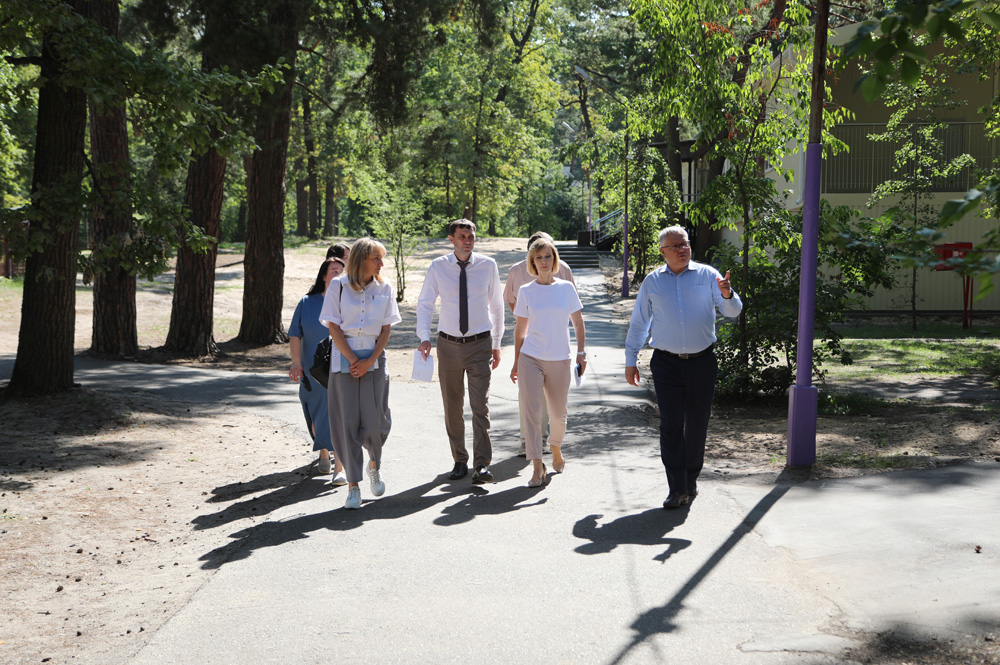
x,y
338,251
536,235
461,224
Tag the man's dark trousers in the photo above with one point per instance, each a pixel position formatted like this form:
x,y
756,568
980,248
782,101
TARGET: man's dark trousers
x,y
684,391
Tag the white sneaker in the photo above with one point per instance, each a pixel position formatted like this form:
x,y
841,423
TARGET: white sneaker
x,y
353,498
324,465
521,451
546,448
378,486
339,479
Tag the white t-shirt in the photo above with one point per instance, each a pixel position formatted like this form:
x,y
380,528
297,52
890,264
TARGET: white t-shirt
x,y
547,308
360,314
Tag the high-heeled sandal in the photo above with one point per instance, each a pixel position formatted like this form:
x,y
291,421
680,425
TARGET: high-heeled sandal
x,y
542,481
559,466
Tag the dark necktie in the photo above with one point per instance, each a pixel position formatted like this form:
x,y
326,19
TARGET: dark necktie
x,y
463,300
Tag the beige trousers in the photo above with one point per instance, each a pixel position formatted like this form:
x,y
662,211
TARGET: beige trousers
x,y
543,383
455,362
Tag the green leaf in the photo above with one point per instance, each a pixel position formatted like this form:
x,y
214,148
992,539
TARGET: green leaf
x,y
992,18
954,31
886,50
909,71
916,12
872,88
934,27
918,53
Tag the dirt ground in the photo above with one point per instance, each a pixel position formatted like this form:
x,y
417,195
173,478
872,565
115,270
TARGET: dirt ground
x,y
109,500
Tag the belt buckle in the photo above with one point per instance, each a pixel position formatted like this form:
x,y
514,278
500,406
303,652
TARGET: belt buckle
x,y
683,356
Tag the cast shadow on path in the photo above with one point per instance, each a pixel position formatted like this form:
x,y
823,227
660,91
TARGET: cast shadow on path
x,y
646,528
663,619
392,507
288,487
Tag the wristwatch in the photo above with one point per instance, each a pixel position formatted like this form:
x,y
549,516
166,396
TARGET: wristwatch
x,y
582,353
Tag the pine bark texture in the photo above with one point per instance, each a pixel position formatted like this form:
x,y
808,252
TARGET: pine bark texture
x,y
264,261
44,362
114,321
191,331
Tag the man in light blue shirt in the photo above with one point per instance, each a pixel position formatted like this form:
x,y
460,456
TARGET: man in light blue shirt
x,y
675,312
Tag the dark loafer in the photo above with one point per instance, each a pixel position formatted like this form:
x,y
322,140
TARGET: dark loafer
x,y
692,490
461,470
675,500
482,475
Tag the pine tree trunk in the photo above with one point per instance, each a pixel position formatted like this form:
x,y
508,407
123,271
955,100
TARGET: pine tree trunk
x,y
311,181
329,208
191,315
264,264
44,362
301,202
114,329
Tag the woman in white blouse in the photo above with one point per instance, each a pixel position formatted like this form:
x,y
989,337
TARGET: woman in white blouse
x,y
360,310
542,356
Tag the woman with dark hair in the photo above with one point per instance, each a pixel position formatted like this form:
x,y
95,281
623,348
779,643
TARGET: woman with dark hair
x,y
304,335
339,251
360,310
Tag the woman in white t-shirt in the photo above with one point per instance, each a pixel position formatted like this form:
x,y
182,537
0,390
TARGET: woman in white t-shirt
x,y
542,355
360,310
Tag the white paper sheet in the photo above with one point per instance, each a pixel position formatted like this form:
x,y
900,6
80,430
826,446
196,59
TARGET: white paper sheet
x,y
578,378
423,370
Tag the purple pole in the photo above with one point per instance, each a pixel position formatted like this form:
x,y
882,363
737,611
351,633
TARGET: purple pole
x,y
802,398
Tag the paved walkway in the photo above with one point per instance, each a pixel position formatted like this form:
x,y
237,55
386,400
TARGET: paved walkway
x,y
589,569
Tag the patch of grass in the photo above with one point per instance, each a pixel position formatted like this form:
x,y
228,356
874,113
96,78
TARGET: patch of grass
x,y
939,329
888,357
864,460
848,404
13,285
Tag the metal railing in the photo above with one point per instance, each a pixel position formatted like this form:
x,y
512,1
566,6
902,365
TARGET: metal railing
x,y
870,163
607,227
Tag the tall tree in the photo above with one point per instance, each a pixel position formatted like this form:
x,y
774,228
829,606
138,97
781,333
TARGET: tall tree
x,y
264,260
114,329
44,362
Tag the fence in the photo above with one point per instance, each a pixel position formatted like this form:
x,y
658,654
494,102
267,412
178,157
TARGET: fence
x,y
869,163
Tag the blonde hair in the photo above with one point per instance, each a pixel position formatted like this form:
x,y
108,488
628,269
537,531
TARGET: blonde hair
x,y
538,246
362,250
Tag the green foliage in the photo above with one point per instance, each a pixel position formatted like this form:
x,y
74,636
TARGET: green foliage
x,y
171,106
396,216
654,203
893,43
759,357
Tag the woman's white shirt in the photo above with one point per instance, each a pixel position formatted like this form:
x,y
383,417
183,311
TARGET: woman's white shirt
x,y
547,308
360,314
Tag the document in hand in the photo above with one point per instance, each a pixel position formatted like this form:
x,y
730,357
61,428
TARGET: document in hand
x,y
578,375
423,370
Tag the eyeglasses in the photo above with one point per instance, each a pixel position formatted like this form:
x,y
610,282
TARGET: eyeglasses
x,y
678,247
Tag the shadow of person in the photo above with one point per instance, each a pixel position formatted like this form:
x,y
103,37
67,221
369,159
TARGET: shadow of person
x,y
305,490
267,481
279,532
646,528
487,503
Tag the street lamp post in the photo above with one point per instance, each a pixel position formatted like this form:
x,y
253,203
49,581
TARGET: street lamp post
x,y
582,73
590,189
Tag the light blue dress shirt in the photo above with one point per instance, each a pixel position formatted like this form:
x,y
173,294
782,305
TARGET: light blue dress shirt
x,y
676,313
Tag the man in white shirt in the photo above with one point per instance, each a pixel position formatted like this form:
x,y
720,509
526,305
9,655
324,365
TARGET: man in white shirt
x,y
470,329
517,277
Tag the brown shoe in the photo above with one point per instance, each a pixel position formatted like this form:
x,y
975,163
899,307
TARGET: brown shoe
x,y
675,500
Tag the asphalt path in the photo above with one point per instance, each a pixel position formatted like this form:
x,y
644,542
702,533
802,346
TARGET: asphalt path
x,y
589,569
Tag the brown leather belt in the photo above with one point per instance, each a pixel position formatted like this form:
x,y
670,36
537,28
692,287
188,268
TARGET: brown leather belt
x,y
686,356
465,340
